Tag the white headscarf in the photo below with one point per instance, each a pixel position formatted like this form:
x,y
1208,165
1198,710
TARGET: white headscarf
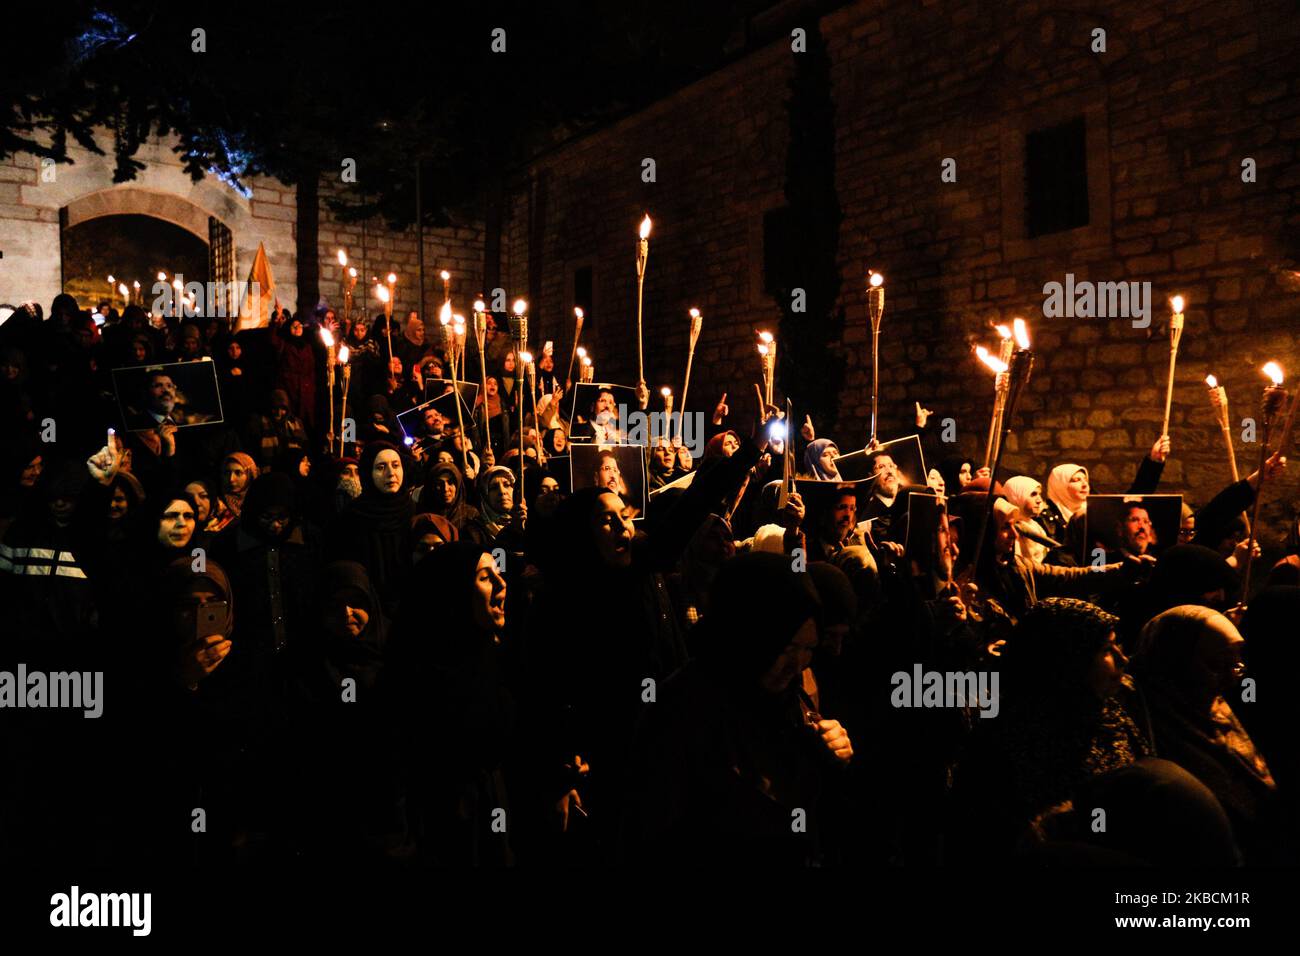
x,y
1018,491
1061,494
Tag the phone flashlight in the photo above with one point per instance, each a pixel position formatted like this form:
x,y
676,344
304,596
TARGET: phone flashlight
x,y
776,431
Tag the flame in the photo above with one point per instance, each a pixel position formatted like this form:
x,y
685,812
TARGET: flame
x,y
1004,331
877,280
480,305
392,278
136,283
177,284
162,277
352,273
1021,332
381,293
582,353
765,338
645,227
343,258
762,350
586,362
695,313
446,276
458,324
521,306
327,338
526,358
666,392
1274,371
992,361
122,288
343,355
444,314
1177,303
1211,381
578,313
111,280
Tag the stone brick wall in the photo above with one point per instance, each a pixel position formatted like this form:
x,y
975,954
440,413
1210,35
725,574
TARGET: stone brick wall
x,y
375,250
1185,92
29,228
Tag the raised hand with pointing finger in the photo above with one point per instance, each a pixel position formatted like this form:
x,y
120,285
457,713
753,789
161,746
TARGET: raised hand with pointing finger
x,y
721,410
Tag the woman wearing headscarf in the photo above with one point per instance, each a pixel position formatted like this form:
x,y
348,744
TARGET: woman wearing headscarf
x,y
338,719
1027,495
1060,723
21,464
17,398
272,560
1188,661
722,445
819,460
201,694
957,471
295,370
1067,498
452,710
375,529
126,501
710,547
498,420
1273,656
429,532
734,751
590,692
501,513
238,472
380,423
443,494
1010,583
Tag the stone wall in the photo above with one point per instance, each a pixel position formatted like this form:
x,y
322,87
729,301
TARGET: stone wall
x,y
1184,92
31,198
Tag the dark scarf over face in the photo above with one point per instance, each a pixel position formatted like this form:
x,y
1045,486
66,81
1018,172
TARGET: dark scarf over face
x,y
756,606
1053,730
360,657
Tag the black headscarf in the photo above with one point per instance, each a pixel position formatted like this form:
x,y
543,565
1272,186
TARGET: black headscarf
x,y
444,579
1053,732
378,405
382,510
446,682
179,579
272,490
359,657
950,469
757,604
375,529
459,511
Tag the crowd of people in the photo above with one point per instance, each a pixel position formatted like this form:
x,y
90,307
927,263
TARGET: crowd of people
x,y
329,643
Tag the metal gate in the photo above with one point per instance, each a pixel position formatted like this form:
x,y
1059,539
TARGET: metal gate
x,y
221,267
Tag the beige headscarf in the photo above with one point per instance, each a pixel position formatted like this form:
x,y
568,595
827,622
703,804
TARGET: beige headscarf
x,y
1059,492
